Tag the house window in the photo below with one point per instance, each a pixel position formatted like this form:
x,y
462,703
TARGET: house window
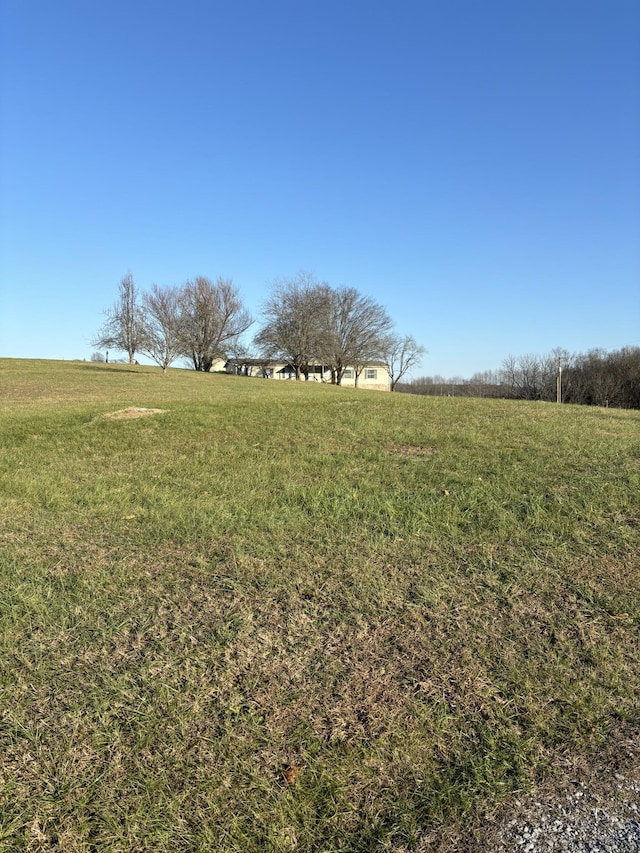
x,y
371,373
348,374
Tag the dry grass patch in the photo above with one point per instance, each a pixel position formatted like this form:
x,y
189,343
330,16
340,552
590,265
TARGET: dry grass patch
x,y
133,412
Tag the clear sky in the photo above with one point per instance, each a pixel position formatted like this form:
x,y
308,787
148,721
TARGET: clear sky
x,y
473,166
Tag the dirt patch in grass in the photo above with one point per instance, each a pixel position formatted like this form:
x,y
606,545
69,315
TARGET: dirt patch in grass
x,y
133,412
412,450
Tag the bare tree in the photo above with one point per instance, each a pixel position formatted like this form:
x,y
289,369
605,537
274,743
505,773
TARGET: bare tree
x,y
311,323
123,328
354,332
603,378
401,354
212,318
161,339
625,364
532,377
293,329
550,366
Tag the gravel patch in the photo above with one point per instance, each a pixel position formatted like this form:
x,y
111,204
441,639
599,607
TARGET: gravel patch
x,y
581,823
591,807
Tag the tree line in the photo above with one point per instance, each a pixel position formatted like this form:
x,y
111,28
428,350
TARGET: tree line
x,y
197,321
305,322
594,378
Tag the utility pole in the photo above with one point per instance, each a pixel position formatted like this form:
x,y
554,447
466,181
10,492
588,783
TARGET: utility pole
x,y
559,382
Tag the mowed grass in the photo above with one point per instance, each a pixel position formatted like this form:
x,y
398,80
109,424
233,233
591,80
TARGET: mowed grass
x,y
280,617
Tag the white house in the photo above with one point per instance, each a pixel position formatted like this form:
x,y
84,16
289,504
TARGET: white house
x,y
373,376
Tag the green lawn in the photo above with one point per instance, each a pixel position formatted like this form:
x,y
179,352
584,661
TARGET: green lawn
x,y
411,608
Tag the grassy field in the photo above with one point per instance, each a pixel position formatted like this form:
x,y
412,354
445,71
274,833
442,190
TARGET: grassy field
x,y
279,617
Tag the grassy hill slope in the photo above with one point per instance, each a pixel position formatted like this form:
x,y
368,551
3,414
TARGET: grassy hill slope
x,y
277,616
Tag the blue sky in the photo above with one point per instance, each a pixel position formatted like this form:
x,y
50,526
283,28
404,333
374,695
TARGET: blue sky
x,y
475,167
